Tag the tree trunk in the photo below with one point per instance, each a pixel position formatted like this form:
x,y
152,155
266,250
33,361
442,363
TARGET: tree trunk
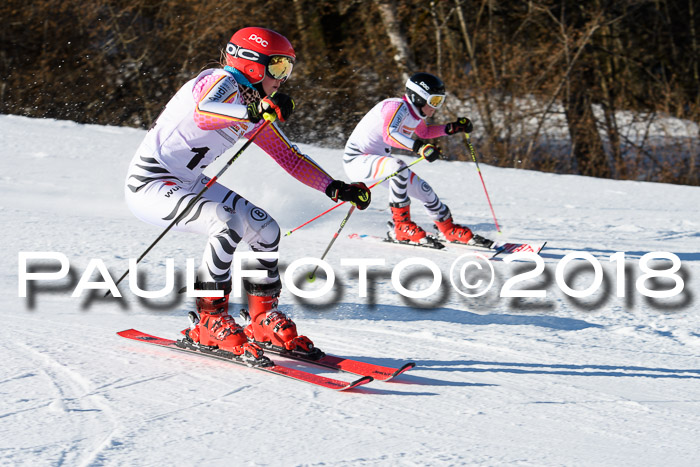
x,y
586,145
438,38
403,56
483,104
607,75
299,17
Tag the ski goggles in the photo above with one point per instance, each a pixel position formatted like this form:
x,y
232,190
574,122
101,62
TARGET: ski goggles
x,y
435,100
279,67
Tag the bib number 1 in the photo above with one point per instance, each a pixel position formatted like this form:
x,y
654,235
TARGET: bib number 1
x,y
199,154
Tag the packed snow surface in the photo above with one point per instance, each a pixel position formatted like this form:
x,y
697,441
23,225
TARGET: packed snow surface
x,y
612,378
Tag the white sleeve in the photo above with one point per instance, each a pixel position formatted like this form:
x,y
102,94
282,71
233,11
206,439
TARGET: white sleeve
x,y
217,97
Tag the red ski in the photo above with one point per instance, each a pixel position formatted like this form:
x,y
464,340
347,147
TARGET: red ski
x,y
292,373
378,372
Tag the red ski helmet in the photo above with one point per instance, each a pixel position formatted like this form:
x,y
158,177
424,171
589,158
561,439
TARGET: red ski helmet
x,y
256,51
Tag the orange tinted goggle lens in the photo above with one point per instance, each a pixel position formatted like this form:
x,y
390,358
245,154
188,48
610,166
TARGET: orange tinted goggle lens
x,y
280,67
436,101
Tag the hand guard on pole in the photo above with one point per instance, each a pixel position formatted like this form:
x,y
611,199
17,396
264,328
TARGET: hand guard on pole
x,y
428,151
463,124
356,193
277,104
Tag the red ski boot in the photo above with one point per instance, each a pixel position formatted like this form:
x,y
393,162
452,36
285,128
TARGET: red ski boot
x,y
272,329
454,232
216,329
405,230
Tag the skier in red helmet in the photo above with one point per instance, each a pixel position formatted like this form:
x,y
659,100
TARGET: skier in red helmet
x,y
401,123
204,119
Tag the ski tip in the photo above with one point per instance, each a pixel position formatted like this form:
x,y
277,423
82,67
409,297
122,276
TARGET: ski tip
x,y
403,369
499,250
357,383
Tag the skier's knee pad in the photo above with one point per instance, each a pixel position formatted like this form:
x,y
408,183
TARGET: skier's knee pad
x,y
262,230
229,222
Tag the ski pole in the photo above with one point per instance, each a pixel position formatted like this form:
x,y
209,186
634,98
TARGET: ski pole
x,y
471,149
268,118
335,236
343,202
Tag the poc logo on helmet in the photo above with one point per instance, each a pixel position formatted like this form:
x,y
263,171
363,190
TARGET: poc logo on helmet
x,y
424,86
246,54
258,39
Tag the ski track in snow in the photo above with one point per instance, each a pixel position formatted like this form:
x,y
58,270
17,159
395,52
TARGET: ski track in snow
x,y
69,399
604,380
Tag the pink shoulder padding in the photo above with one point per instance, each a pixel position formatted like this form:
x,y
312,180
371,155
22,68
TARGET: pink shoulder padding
x,y
208,120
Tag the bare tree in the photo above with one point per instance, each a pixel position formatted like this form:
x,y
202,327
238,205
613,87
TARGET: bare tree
x,y
403,56
483,104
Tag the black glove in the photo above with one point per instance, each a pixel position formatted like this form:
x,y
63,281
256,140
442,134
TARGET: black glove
x,y
277,104
429,151
356,193
462,124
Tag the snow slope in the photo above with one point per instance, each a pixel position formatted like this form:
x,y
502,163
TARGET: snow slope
x,y
602,380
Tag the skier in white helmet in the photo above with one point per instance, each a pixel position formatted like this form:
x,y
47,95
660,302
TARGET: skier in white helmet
x,y
204,119
401,123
